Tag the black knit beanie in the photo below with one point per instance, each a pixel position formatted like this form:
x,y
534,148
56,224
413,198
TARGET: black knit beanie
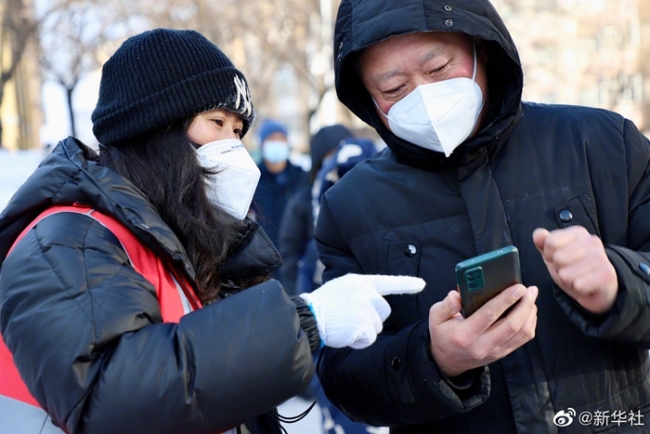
x,y
163,76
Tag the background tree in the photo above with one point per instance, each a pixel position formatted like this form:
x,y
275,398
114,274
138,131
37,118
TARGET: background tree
x,y
593,53
18,27
285,47
17,30
263,39
72,41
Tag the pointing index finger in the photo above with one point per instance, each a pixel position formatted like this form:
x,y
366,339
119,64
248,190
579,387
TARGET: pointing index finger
x,y
390,285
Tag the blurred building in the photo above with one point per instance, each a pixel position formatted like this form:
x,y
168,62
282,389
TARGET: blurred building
x,y
20,109
585,52
301,92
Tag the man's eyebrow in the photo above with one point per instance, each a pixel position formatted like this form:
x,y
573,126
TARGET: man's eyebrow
x,y
421,61
430,55
389,74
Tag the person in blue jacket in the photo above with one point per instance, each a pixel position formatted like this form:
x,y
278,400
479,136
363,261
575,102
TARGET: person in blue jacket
x,y
349,152
279,179
297,225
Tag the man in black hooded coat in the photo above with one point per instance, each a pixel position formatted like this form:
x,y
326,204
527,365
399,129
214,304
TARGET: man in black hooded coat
x,y
576,172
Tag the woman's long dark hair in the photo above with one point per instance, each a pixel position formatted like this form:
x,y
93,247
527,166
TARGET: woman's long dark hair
x,y
165,168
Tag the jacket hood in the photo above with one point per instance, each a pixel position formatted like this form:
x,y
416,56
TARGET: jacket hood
x,y
362,23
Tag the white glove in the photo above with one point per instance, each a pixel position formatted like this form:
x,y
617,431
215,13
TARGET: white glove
x,y
350,309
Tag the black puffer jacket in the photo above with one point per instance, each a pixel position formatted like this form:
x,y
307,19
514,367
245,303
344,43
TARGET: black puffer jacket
x,y
86,332
529,166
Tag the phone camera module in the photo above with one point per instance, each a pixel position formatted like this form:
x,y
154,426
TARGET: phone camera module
x,y
474,278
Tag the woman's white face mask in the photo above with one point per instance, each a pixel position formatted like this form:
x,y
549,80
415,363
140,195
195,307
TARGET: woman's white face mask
x,y
438,116
233,186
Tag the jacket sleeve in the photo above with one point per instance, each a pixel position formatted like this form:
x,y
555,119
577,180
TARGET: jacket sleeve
x,y
395,381
86,334
629,319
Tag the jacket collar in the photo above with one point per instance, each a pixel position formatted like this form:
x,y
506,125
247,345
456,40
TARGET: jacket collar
x,y
251,254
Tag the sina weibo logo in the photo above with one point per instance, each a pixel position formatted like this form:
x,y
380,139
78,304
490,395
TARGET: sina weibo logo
x,y
243,101
564,418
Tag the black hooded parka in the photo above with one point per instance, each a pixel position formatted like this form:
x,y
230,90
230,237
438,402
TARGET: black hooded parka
x,y
86,331
411,211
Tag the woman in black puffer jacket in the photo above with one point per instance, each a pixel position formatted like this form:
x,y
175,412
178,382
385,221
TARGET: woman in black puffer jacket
x,y
97,345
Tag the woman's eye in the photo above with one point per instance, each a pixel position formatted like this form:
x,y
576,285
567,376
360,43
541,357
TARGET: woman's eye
x,y
237,131
219,122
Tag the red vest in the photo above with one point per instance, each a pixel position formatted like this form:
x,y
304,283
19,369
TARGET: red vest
x,y
175,295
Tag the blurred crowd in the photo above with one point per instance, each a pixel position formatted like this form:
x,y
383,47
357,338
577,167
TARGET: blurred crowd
x,y
286,204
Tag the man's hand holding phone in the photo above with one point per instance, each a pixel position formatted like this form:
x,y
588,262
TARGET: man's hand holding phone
x,y
459,344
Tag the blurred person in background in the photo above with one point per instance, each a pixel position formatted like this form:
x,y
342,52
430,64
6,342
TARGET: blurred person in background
x,y
279,179
297,224
335,162
134,292
469,169
350,152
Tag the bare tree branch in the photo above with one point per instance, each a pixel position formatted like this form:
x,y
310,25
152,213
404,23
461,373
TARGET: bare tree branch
x,y
19,27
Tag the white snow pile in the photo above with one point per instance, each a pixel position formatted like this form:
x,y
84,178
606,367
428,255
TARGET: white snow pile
x,y
15,168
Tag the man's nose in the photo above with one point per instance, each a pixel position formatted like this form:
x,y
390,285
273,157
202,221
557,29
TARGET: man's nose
x,y
421,79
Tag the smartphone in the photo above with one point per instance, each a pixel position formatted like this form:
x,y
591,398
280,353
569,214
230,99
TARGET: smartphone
x,y
482,277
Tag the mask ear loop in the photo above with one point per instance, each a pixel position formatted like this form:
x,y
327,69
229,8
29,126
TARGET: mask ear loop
x,y
379,108
474,48
474,79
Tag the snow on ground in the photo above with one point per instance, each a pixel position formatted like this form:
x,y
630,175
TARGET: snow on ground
x,y
311,424
15,168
